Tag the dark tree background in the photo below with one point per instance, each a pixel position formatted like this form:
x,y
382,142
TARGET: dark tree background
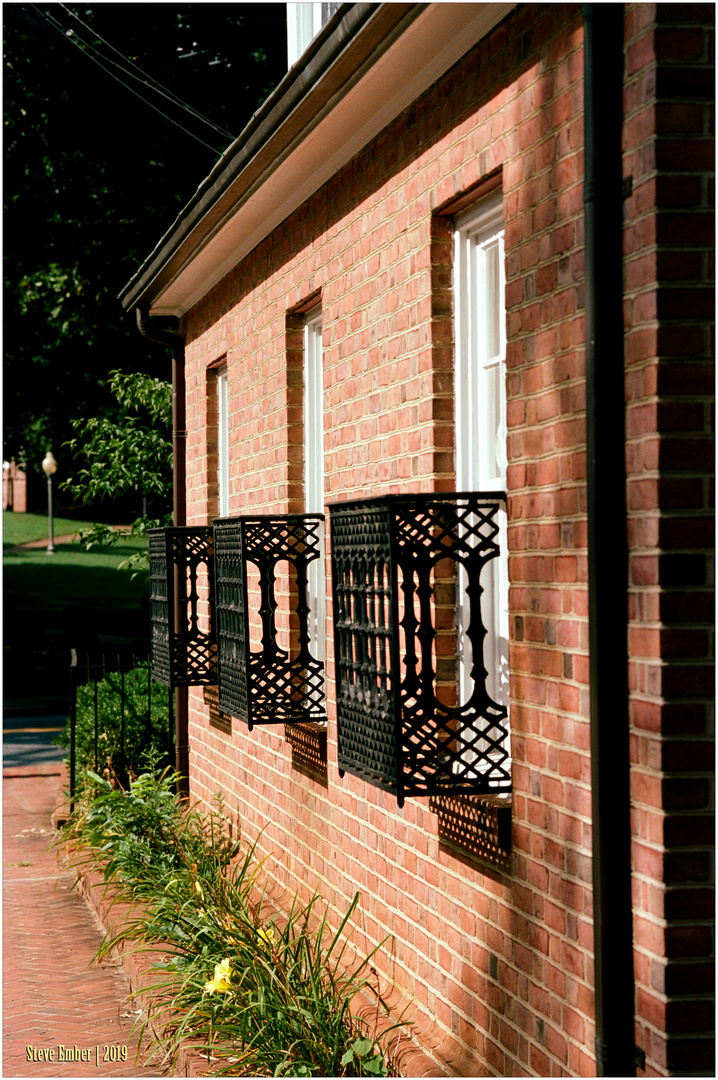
x,y
94,177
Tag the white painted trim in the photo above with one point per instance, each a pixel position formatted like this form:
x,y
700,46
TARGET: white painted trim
x,y
222,442
304,21
314,476
478,230
480,398
428,47
313,416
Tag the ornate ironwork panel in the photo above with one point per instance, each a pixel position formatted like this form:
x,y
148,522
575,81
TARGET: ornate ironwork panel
x,y
160,610
364,644
182,653
231,618
271,685
399,565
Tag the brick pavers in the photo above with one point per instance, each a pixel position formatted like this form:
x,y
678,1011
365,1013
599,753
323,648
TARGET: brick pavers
x,y
52,995
66,539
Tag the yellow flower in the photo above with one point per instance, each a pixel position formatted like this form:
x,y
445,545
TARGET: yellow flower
x,y
222,981
198,888
266,935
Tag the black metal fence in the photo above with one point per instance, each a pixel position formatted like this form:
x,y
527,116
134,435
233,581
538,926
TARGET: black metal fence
x,y
118,713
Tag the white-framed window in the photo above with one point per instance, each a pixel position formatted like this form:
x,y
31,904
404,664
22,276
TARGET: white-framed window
x,y
314,473
480,395
222,442
304,21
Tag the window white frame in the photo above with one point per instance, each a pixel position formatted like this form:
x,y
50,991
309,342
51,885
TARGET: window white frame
x,y
304,21
222,442
480,396
314,474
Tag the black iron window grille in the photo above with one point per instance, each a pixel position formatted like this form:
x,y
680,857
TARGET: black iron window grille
x,y
182,653
272,684
401,568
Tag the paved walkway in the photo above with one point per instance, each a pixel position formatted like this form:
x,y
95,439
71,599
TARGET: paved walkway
x,y
52,996
28,738
66,538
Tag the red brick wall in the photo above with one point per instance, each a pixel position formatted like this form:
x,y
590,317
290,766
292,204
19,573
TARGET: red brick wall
x,y
499,962
669,237
14,489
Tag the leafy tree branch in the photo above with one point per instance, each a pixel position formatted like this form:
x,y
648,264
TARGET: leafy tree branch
x,y
126,456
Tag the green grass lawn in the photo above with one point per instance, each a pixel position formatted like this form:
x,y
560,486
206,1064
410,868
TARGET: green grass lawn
x,y
71,599
24,528
72,578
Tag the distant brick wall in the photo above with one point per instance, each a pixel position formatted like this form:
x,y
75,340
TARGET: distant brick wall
x,y
499,962
14,488
669,237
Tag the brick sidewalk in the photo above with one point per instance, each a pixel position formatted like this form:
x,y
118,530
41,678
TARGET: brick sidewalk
x,y
52,996
69,538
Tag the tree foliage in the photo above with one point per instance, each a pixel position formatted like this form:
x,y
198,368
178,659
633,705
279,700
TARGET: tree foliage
x,y
127,455
94,176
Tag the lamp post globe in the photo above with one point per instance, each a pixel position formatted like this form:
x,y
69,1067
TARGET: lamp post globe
x,y
49,467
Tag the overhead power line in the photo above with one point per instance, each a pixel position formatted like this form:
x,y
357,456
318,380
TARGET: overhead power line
x,y
91,54
143,77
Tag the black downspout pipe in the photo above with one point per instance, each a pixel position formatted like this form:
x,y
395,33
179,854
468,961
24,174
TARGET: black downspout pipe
x,y
174,341
607,540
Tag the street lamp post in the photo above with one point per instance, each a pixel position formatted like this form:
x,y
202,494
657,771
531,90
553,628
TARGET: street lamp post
x,y
49,467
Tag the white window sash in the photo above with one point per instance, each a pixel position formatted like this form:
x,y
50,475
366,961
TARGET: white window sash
x,y
223,442
479,288
314,476
304,21
480,395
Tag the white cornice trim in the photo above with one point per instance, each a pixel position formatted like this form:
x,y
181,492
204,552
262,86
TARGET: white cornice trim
x,y
442,33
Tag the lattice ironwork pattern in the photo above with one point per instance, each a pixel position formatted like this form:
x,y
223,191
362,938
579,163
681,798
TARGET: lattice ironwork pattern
x,y
160,610
182,653
395,573
272,685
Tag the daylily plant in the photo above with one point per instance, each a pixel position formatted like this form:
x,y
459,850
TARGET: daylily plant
x,y
222,981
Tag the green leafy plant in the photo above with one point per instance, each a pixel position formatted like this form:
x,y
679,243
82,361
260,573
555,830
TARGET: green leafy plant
x,y
266,996
141,836
132,721
258,992
363,1051
130,455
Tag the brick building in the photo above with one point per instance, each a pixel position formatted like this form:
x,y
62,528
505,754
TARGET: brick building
x,y
14,487
405,279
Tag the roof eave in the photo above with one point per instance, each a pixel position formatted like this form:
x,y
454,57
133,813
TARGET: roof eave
x,y
301,86
353,80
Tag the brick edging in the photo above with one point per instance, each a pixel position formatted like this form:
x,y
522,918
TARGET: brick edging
x,y
112,916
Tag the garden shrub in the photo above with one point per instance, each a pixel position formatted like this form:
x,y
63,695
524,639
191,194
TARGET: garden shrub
x,y
258,992
133,720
